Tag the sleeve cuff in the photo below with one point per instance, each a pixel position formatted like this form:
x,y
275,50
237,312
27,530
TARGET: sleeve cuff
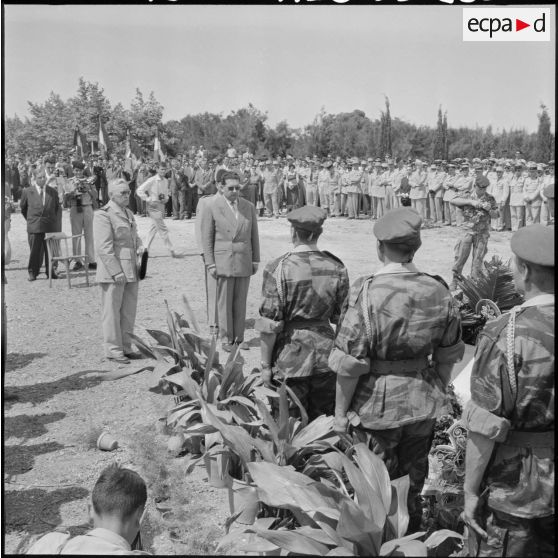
x,y
266,325
347,365
449,355
479,420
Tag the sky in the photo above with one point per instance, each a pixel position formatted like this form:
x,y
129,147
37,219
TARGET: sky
x,y
287,60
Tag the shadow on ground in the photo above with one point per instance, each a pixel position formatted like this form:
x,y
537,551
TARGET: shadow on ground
x,y
37,510
29,426
15,361
20,459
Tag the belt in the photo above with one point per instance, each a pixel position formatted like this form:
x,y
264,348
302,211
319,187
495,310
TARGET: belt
x,y
385,367
520,439
306,324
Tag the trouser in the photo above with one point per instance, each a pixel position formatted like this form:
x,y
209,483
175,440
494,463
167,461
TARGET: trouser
x,y
316,394
352,204
232,293
458,216
272,202
156,211
191,201
132,205
141,206
532,214
311,194
167,210
211,306
343,207
420,206
178,203
118,315
390,198
404,450
82,222
550,203
436,209
324,198
509,535
449,213
545,216
38,253
479,244
292,198
498,222
377,207
336,203
366,203
517,216
396,201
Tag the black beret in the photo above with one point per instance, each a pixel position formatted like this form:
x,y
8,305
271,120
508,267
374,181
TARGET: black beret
x,y
534,244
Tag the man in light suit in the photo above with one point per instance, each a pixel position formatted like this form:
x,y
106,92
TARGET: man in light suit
x,y
40,208
117,246
231,248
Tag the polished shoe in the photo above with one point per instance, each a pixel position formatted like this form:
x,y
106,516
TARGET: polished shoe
x,y
32,277
92,265
134,356
120,359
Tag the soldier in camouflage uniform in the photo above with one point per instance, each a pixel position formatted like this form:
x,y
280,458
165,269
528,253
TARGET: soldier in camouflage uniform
x,y
510,417
478,208
396,344
303,292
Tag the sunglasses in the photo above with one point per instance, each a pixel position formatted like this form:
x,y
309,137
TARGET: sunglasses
x,y
124,193
232,188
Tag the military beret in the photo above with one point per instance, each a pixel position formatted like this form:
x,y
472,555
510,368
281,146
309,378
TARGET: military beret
x,y
399,226
451,166
478,166
308,218
548,191
355,161
78,165
534,244
464,165
433,167
499,169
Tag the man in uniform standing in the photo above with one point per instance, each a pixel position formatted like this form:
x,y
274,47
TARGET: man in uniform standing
x,y
303,292
510,417
501,193
418,194
117,246
478,208
532,195
272,178
393,372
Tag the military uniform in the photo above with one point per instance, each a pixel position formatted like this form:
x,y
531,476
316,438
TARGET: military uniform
x,y
517,208
532,199
512,404
418,194
500,191
450,192
117,243
393,323
302,295
476,232
353,179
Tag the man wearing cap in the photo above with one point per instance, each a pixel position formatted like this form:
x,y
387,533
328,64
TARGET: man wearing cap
x,y
231,249
500,191
547,195
418,195
117,245
450,191
517,207
353,179
81,197
434,183
532,195
395,347
478,208
463,186
155,191
509,460
302,295
272,178
399,173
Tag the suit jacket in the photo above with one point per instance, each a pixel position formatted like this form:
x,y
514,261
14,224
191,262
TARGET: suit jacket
x,y
40,218
116,243
231,244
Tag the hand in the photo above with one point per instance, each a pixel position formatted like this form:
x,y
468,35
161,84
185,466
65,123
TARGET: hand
x,y
213,272
340,424
120,278
267,376
254,267
470,513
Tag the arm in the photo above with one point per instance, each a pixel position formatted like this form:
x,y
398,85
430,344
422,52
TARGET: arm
x,y
104,243
143,190
24,204
208,237
255,237
462,202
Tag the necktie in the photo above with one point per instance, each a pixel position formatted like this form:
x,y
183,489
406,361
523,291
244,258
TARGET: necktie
x,y
41,192
235,209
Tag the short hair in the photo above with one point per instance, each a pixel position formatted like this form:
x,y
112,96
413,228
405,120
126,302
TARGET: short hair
x,y
118,491
542,275
402,253
307,236
229,175
116,184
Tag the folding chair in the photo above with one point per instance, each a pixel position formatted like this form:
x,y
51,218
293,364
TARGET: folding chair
x,y
60,250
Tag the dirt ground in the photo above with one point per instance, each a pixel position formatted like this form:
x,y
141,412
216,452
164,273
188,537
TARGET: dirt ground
x,y
55,365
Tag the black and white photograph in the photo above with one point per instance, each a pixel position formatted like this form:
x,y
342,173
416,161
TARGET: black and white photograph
x,y
278,279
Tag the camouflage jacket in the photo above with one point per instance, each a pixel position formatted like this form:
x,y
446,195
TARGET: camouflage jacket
x,y
410,315
520,479
477,219
302,294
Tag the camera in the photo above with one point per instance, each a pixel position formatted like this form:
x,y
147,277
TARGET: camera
x,y
162,197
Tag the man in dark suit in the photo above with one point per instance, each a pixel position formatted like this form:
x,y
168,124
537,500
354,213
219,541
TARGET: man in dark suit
x,y
39,206
231,249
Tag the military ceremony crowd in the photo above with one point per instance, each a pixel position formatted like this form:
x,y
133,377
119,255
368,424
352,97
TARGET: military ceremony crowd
x,y
376,355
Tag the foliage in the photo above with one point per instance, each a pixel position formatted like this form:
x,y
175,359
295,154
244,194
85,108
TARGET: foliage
x,y
545,140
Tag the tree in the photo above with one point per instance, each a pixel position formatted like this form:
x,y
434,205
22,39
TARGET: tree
x,y
445,153
385,132
543,149
438,149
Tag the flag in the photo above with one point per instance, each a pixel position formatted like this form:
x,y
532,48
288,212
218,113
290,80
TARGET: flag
x,y
133,154
80,144
104,142
158,154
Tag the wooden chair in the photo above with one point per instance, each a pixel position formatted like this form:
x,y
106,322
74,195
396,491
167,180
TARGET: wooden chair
x,y
59,249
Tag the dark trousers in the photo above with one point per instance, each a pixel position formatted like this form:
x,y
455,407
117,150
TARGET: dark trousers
x,y
168,208
38,252
132,205
316,393
178,203
191,201
509,535
404,450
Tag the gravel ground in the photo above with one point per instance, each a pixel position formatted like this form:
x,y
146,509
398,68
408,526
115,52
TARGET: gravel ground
x,y
55,362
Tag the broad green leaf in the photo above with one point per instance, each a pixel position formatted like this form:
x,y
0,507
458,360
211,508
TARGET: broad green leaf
x,y
246,542
438,537
211,356
356,527
376,473
406,548
162,368
398,518
269,421
313,431
340,551
303,413
295,542
283,413
200,429
144,349
172,327
390,546
318,535
232,375
161,337
183,380
333,461
189,315
240,399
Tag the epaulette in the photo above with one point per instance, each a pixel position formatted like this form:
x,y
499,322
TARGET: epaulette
x,y
357,287
104,208
332,256
438,278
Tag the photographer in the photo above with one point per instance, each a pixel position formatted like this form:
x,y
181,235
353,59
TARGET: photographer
x,y
81,198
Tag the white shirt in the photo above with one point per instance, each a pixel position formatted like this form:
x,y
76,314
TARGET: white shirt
x,y
149,191
233,207
41,192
